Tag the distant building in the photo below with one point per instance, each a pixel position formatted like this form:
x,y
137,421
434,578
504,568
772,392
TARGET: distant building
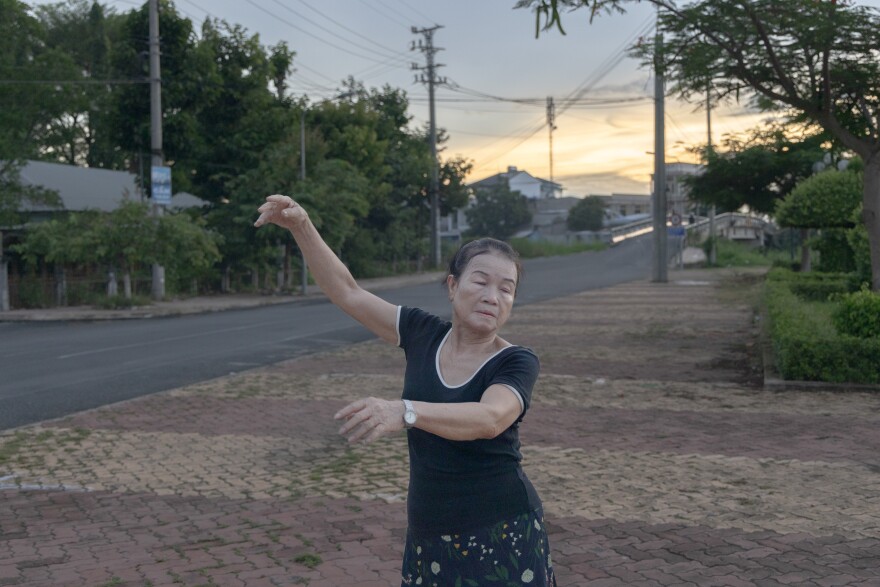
x,y
88,188
619,205
533,188
678,199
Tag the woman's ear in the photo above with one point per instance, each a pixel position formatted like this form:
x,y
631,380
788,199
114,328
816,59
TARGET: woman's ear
x,y
451,285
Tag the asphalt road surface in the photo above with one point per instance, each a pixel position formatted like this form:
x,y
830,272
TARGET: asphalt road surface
x,y
49,370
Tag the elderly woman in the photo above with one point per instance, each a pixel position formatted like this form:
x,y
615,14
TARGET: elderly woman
x,y
474,517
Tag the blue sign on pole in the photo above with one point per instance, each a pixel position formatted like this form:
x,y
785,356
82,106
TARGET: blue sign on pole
x,y
160,178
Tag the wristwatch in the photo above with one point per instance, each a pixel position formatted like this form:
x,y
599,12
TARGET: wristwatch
x,y
409,416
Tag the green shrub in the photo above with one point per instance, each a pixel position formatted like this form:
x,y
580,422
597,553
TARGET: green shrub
x,y
807,345
528,249
121,302
815,286
858,314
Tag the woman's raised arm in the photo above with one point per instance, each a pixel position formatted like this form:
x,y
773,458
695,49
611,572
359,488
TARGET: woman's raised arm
x,y
334,278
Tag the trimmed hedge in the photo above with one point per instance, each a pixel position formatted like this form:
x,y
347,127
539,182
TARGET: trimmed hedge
x,y
807,345
858,314
816,286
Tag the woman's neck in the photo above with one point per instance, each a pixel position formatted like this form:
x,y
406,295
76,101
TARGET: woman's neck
x,y
462,341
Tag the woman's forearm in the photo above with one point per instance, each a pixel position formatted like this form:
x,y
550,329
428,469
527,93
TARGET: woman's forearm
x,y
331,275
460,421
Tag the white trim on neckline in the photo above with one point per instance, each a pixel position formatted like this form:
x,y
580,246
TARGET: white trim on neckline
x,y
474,374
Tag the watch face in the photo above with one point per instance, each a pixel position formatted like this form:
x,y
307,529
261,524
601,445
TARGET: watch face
x,y
410,417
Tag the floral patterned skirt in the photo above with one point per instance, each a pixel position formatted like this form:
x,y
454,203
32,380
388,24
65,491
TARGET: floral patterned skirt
x,y
514,551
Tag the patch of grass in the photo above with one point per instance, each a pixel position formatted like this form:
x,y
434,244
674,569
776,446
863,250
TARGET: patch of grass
x,y
10,447
734,254
529,249
309,560
121,302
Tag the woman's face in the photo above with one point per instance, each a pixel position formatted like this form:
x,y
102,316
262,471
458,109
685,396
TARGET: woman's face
x,y
482,297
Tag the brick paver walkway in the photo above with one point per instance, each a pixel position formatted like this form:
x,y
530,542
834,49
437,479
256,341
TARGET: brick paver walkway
x,y
659,461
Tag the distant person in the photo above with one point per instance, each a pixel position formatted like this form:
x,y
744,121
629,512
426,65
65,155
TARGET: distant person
x,y
472,512
691,219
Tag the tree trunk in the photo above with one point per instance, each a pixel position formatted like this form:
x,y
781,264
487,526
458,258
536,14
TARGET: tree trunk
x,y
805,251
112,286
225,280
4,279
126,284
60,286
288,274
871,215
255,279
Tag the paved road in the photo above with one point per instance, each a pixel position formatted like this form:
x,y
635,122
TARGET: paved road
x,y
53,369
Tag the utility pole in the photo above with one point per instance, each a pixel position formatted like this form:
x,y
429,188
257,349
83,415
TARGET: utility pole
x,y
302,175
430,78
551,125
660,236
158,287
712,248
4,279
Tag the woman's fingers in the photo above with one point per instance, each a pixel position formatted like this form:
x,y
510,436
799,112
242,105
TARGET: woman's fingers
x,y
366,420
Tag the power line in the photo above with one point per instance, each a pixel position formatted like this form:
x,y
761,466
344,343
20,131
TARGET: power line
x,y
352,31
394,54
310,34
384,14
412,10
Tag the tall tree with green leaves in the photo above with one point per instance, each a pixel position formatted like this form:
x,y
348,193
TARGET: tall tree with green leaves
x,y
588,214
498,212
756,171
817,58
26,105
84,31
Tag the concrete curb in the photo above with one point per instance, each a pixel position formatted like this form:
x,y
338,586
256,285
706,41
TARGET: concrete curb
x,y
203,304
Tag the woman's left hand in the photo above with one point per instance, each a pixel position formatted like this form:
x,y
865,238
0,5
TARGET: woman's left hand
x,y
370,418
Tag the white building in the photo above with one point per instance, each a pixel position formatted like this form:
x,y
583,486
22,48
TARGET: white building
x,y
533,188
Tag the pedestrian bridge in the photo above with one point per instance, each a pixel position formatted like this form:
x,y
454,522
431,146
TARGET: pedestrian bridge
x,y
730,225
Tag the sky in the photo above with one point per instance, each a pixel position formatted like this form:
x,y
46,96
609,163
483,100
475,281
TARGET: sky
x,y
603,140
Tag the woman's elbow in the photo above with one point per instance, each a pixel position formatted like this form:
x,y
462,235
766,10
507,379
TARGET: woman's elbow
x,y
493,427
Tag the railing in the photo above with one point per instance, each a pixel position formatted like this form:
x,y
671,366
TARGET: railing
x,y
621,233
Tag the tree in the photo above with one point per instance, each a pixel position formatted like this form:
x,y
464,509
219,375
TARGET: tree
x,y
25,107
498,212
817,58
826,201
85,32
588,214
756,172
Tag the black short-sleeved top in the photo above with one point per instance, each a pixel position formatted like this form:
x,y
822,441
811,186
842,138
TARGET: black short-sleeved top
x,y
458,485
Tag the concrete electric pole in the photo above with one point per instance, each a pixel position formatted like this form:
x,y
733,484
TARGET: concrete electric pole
x,y
660,236
157,159
430,78
551,125
713,255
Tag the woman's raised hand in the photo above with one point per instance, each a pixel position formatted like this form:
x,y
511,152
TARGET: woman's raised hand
x,y
281,210
370,418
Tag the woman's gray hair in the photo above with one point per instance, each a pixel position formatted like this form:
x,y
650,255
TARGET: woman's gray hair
x,y
482,246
